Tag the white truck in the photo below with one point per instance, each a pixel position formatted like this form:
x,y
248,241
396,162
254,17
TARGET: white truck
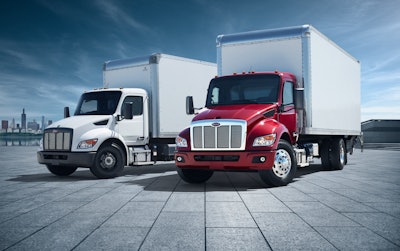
x,y
132,120
281,98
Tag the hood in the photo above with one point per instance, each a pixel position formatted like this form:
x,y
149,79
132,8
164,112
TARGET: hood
x,y
79,121
250,112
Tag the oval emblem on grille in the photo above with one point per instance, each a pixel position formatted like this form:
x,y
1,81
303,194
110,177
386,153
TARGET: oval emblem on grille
x,y
215,124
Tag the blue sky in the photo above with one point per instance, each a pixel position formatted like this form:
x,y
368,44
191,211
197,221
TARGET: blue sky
x,y
51,51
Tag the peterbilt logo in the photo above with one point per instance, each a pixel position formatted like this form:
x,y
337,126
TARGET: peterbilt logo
x,y
215,124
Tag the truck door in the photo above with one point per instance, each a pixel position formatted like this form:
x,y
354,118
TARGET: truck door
x,y
288,111
133,129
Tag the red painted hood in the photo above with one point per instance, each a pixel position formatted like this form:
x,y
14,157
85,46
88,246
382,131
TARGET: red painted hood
x,y
250,112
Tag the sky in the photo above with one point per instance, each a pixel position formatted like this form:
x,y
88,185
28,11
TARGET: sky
x,y
53,50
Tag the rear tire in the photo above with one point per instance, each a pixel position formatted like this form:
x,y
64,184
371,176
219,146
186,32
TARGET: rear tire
x,y
195,175
324,153
284,169
337,155
109,162
61,170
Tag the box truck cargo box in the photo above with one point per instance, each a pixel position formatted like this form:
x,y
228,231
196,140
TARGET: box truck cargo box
x,y
329,75
167,80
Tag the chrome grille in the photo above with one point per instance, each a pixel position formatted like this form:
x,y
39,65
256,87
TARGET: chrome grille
x,y
57,139
218,135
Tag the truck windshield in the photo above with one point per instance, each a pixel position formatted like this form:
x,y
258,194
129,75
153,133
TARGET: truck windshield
x,y
243,89
98,103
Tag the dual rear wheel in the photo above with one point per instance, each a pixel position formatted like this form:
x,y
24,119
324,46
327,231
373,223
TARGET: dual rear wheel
x,y
333,154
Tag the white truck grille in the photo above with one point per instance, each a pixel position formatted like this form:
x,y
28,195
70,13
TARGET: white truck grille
x,y
57,139
219,135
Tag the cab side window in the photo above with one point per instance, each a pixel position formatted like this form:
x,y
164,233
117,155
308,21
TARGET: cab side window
x,y
288,93
137,102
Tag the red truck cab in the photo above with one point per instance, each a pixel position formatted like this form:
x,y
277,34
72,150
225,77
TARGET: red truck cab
x,y
249,123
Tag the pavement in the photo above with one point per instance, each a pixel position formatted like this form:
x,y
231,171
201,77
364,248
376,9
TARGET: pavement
x,y
150,208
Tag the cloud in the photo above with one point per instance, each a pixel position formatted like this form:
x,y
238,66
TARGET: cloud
x,y
119,16
17,55
381,103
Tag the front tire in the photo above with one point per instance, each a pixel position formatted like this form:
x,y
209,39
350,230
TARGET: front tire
x,y
194,175
61,170
285,166
109,162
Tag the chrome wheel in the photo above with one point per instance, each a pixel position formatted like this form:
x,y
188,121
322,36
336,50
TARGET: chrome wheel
x,y
282,164
342,154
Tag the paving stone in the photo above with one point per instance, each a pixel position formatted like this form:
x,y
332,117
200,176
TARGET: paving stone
x,y
355,238
317,214
181,220
263,203
185,202
114,238
171,238
288,193
342,203
235,239
228,214
136,214
64,234
381,223
10,235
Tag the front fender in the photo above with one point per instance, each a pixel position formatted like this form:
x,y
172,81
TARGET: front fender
x,y
265,127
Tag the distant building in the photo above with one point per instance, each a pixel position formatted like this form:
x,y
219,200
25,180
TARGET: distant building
x,y
43,126
34,126
23,119
13,124
4,124
50,122
381,131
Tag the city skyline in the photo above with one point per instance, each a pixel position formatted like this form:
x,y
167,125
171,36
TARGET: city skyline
x,y
24,125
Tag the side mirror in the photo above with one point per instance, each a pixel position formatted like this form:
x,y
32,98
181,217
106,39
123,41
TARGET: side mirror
x,y
299,98
66,112
127,110
189,105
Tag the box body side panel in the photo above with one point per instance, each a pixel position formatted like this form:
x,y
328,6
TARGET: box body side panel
x,y
333,88
179,78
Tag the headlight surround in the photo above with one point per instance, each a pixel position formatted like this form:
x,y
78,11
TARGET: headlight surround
x,y
85,144
181,142
266,140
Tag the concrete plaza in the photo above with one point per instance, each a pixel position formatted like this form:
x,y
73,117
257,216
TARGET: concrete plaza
x,y
150,208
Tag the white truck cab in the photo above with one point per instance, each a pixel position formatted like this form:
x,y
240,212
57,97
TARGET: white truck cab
x,y
134,124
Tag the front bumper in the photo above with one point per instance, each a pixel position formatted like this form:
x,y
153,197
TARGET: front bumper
x,y
258,160
84,159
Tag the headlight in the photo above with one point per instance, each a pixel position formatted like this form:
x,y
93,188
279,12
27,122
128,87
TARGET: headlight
x,y
85,144
181,142
265,140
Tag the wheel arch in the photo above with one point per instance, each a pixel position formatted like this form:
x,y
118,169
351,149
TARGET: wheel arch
x,y
119,144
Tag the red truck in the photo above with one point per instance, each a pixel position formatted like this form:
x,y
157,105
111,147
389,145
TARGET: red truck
x,y
282,97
